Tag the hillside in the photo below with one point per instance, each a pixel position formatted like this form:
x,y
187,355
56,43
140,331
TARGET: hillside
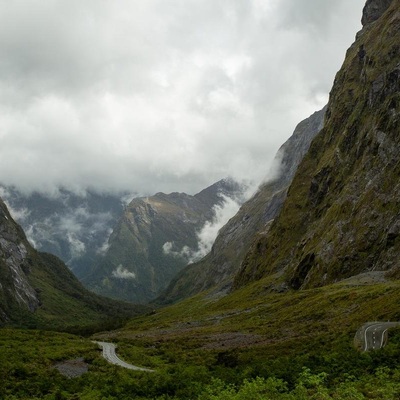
x,y
342,212
38,290
154,239
217,269
327,266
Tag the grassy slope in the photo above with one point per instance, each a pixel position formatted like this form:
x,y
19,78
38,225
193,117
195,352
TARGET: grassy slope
x,y
257,317
65,304
252,332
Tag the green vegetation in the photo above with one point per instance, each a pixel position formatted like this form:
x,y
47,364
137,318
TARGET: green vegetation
x,y
28,359
136,244
252,344
65,305
264,340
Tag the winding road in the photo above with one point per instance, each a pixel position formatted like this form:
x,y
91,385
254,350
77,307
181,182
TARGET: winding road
x,y
373,335
110,355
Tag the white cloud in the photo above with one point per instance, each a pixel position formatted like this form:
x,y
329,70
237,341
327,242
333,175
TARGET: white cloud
x,y
160,95
77,247
185,252
207,234
18,214
102,250
122,273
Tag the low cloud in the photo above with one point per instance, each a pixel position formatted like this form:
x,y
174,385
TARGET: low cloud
x,y
63,223
208,233
122,273
185,252
18,214
127,198
109,95
102,250
77,247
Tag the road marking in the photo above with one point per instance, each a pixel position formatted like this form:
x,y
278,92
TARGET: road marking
x,y
375,328
383,336
365,336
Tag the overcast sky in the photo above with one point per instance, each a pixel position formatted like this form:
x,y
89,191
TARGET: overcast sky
x,y
160,95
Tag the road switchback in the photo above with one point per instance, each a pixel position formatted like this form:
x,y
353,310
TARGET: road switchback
x,y
373,335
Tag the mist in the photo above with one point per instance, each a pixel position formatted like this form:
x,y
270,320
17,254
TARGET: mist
x,y
208,233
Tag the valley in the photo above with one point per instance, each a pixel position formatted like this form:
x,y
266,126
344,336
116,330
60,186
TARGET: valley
x,y
298,297
303,340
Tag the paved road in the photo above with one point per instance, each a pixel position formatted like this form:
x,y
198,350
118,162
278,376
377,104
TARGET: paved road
x,y
110,356
374,334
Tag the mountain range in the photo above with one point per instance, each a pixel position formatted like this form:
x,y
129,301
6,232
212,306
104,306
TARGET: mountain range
x,y
75,227
330,213
126,249
272,312
156,237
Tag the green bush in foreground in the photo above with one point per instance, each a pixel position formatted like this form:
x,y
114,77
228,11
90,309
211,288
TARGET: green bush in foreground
x,y
309,386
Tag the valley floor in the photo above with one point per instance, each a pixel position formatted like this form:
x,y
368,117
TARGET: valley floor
x,y
254,343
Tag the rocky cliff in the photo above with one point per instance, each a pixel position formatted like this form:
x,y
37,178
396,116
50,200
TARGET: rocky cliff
x,y
373,10
342,212
155,238
15,288
217,269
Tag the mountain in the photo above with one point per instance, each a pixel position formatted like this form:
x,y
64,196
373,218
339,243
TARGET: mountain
x,y
155,238
74,227
38,290
217,269
342,213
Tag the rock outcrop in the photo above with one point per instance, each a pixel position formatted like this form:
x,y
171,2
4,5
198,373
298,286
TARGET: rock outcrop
x,y
14,284
373,10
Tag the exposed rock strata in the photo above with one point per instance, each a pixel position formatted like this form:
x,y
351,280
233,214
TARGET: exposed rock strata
x,y
14,263
373,10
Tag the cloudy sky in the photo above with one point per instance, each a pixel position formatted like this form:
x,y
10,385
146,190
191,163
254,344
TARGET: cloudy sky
x,y
160,95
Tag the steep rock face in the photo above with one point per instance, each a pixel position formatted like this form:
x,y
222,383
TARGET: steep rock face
x,y
15,288
373,10
38,290
155,238
217,269
342,213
